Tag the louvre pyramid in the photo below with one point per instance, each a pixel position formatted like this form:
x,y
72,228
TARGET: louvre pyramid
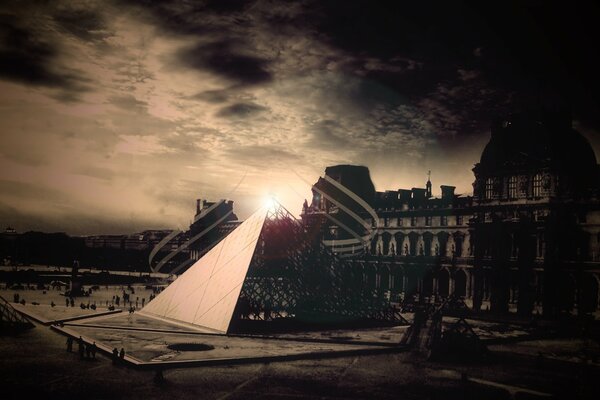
x,y
206,294
268,269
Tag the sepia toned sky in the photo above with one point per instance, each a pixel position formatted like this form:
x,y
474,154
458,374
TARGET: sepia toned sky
x,y
116,115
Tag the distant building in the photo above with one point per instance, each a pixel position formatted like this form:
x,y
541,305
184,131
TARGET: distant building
x,y
529,237
142,241
106,241
212,222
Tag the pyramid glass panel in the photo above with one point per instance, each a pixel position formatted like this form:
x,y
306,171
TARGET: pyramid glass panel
x,y
207,292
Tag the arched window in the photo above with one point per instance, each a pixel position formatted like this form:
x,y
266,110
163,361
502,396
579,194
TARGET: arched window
x,y
537,185
512,187
489,188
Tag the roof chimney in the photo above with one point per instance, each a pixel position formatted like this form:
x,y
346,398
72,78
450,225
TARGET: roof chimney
x,y
447,192
418,194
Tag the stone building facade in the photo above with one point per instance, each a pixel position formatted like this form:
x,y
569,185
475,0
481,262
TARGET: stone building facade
x,y
528,240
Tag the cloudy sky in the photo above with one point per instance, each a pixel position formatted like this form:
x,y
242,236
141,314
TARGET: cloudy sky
x,y
116,115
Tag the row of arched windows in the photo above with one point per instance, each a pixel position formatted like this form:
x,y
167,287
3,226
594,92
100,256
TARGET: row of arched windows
x,y
415,244
494,189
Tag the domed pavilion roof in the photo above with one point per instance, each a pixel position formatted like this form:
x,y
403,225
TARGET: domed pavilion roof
x,y
538,140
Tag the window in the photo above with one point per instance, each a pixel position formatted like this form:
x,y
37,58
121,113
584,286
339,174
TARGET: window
x,y
512,187
459,220
537,185
489,188
428,221
413,221
399,221
443,220
540,245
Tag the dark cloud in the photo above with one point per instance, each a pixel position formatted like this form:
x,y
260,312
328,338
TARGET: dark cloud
x,y
85,24
262,157
218,96
228,58
26,56
241,110
517,45
329,134
213,96
128,103
227,6
523,50
192,17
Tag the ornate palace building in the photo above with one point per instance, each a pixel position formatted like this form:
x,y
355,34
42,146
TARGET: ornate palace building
x,y
528,239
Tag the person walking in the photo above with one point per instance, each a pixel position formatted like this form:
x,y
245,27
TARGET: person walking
x,y
93,350
70,344
122,354
115,355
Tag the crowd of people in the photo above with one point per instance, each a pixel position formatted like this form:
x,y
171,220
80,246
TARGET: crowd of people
x,y
124,299
85,350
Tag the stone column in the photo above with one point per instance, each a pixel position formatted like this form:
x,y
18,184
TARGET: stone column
x,y
450,247
500,251
468,285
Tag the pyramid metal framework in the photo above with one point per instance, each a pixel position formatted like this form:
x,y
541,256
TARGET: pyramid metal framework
x,y
269,269
10,320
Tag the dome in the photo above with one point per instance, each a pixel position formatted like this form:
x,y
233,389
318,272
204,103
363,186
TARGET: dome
x,y
527,141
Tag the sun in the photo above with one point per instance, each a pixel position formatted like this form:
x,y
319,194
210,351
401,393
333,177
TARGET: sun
x,y
271,203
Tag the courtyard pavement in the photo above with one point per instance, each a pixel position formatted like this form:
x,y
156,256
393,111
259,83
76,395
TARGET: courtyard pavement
x,y
36,363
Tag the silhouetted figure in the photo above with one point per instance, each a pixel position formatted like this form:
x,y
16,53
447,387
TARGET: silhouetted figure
x,y
115,356
80,347
93,350
159,377
70,344
122,354
67,302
